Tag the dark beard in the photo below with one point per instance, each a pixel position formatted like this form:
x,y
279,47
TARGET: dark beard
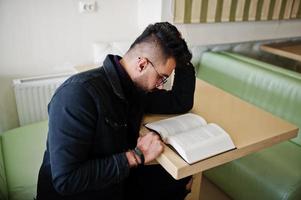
x,y
140,90
144,91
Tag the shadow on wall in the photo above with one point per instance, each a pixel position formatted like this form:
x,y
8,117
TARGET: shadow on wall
x,y
8,110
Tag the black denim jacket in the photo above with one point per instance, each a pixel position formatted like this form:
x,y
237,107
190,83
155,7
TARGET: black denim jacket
x,y
92,122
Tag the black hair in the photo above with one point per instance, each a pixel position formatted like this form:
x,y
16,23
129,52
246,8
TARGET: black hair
x,y
170,41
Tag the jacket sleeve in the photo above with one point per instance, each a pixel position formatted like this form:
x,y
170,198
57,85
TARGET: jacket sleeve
x,y
177,100
72,126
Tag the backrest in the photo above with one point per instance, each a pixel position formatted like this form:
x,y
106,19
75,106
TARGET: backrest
x,y
250,49
23,150
271,88
3,183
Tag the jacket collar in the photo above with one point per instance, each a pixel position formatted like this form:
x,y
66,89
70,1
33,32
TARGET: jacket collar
x,y
113,77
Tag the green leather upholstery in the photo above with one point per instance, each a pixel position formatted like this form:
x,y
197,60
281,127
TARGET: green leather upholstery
x,y
23,150
271,174
274,173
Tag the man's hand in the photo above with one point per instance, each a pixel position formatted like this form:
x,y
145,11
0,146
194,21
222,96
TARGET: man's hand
x,y
151,146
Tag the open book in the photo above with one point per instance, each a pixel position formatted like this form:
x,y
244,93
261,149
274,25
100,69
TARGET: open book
x,y
192,137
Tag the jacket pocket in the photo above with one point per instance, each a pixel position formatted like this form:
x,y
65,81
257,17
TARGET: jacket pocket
x,y
115,124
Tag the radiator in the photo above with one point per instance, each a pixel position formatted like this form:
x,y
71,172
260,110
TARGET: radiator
x,y
34,94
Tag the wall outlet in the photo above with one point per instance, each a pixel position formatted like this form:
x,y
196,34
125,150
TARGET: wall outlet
x,y
87,6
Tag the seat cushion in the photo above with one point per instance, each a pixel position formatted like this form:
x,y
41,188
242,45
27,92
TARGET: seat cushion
x,y
274,173
23,150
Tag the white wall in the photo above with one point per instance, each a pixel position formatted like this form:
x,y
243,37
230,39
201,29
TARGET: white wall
x,y
50,36
8,112
42,36
241,31
149,11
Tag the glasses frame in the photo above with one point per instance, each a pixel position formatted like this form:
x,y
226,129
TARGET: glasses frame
x,y
163,78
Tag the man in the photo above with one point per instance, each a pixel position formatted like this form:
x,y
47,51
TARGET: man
x,y
93,147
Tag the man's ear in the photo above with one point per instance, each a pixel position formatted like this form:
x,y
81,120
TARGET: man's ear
x,y
142,63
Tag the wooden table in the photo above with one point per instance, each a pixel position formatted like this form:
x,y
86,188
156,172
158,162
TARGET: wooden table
x,y
290,50
251,129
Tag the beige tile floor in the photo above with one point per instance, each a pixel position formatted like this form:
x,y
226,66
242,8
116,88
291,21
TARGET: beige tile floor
x,y
210,192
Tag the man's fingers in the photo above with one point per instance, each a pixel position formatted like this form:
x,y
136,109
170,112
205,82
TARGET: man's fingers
x,y
155,138
151,145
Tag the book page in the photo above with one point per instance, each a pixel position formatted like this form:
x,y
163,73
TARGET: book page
x,y
201,142
176,125
194,137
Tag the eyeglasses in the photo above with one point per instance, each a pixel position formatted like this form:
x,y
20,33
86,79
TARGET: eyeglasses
x,y
163,78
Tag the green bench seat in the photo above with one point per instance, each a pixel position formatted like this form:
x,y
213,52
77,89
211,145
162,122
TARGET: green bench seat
x,y
21,157
274,173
